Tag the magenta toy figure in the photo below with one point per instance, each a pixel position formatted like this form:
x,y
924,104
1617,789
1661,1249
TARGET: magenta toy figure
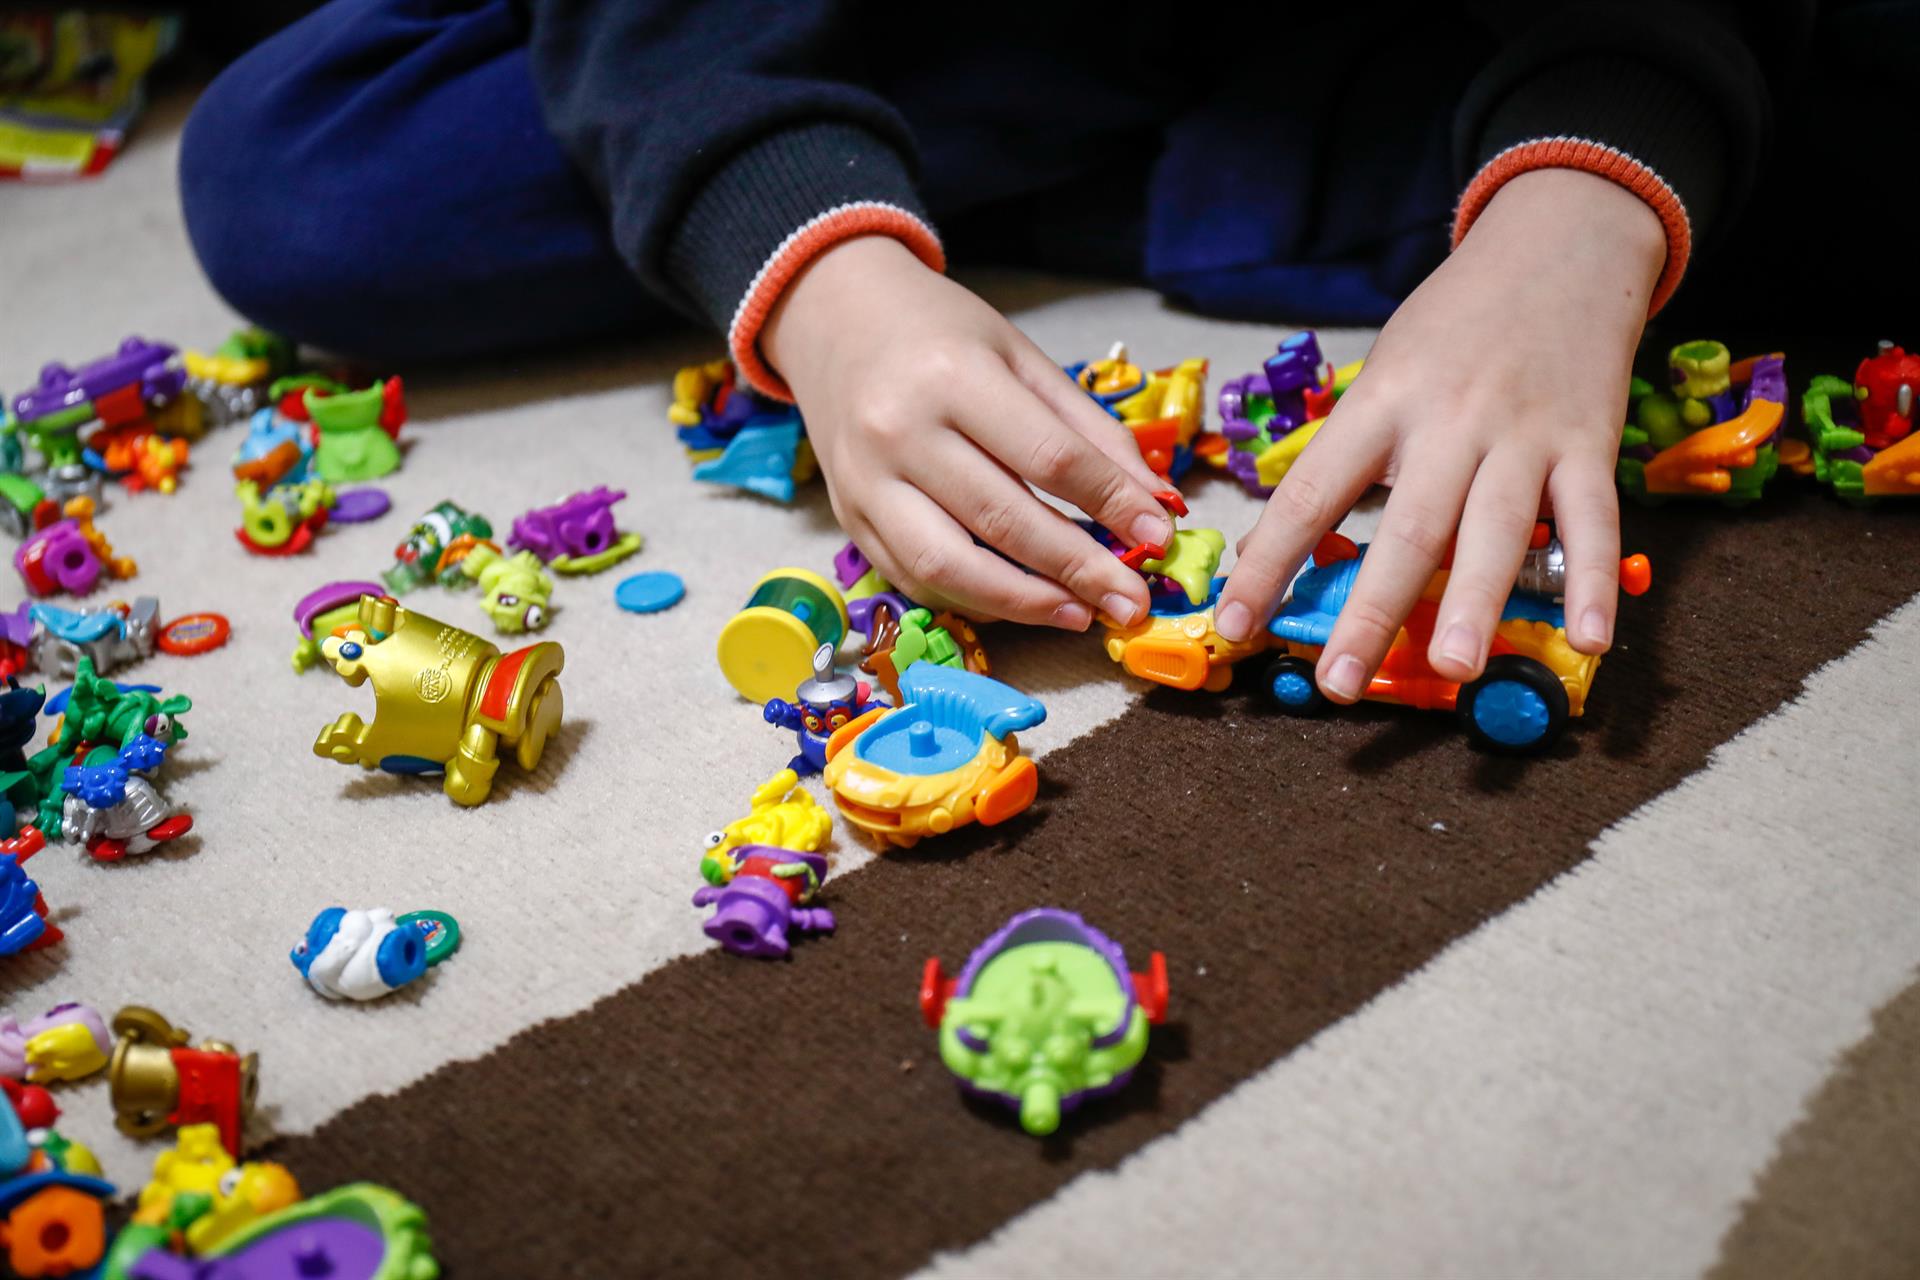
x,y
576,535
820,705
765,901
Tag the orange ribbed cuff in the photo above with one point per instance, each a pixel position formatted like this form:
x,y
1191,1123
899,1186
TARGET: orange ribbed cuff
x,y
1595,158
807,242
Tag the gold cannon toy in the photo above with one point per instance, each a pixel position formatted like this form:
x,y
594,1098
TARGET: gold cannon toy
x,y
445,701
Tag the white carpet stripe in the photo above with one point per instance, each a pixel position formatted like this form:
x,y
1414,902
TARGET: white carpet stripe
x,y
1588,1084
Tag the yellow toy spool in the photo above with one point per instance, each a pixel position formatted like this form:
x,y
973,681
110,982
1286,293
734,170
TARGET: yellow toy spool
x,y
766,649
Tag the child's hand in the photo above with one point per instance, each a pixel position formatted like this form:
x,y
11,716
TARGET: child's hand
x,y
929,413
1500,381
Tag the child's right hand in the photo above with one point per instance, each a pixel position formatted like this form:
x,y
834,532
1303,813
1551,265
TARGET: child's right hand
x,y
930,414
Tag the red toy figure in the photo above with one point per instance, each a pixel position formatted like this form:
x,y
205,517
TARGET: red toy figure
x,y
157,1083
1885,383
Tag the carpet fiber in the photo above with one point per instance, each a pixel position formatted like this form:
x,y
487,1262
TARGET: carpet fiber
x,y
1432,1013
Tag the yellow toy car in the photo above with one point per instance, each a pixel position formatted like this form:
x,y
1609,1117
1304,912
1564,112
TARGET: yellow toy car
x,y
945,757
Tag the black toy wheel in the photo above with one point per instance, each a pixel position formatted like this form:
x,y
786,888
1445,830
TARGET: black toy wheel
x,y
1290,684
1516,707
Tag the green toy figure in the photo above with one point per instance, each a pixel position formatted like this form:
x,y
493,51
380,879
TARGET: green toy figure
x,y
358,431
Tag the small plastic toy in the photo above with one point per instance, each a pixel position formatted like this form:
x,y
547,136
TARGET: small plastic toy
x,y
895,641
361,1231
23,908
650,592
70,554
157,1083
201,1195
576,535
767,648
823,702
68,1042
1716,434
137,379
738,437
231,382
945,757
1044,1016
358,431
1176,644
52,1202
434,548
515,594
445,701
1864,447
765,900
276,450
193,634
139,457
112,806
109,637
285,519
24,505
1162,409
1534,680
325,610
19,725
357,506
1268,417
366,954
781,815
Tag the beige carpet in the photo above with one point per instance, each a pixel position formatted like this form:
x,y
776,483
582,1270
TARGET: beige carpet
x,y
1599,1080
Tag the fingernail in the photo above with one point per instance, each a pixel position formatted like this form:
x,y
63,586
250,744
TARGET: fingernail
x,y
1150,528
1072,617
1343,677
1120,608
1460,644
1234,621
1594,623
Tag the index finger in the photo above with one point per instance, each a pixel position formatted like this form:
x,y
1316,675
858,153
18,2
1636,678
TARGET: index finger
x,y
1335,468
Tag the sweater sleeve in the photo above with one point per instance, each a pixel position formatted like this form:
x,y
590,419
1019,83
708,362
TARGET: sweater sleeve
x,y
1672,100
731,143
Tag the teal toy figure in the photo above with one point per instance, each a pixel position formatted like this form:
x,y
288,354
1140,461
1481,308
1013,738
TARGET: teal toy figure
x,y
516,593
435,547
358,431
1045,1015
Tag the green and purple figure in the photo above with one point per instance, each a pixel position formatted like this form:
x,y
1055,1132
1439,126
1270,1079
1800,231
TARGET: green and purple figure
x,y
765,901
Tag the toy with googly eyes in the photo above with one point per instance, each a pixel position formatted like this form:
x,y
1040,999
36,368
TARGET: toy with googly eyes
x,y
781,814
821,705
516,594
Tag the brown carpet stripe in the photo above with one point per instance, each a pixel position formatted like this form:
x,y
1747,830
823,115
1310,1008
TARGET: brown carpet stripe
x,y
721,1117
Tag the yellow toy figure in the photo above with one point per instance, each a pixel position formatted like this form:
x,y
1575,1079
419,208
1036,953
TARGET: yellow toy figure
x,y
781,813
199,1191
445,700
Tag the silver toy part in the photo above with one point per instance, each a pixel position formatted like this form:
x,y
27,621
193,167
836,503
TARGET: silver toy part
x,y
826,686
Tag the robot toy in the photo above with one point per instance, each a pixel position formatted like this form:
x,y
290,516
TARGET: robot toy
x,y
820,706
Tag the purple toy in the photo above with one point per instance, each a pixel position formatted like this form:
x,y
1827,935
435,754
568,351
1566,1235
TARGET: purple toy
x,y
14,1037
1257,409
576,535
147,365
850,565
58,558
765,901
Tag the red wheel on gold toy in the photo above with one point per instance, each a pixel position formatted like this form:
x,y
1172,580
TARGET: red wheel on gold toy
x,y
194,634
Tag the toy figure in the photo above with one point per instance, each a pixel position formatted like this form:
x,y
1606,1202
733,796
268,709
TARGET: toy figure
x,y
445,701
1862,432
366,954
1162,410
110,638
735,436
324,610
361,1231
156,1083
19,725
201,1195
1176,644
102,712
139,457
359,430
897,640
1044,1016
52,1202
435,546
516,595
70,555
1268,417
276,450
780,814
286,519
231,383
765,901
68,1042
23,909
576,535
946,756
111,805
1716,434
820,705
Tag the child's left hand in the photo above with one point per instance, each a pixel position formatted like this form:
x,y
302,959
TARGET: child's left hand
x,y
1499,385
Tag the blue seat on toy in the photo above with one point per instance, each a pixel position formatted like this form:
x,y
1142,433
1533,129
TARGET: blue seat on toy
x,y
1318,596
944,717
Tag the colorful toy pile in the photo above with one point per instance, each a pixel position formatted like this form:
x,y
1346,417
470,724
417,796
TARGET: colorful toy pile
x,y
1863,445
1163,409
736,436
1268,417
1716,434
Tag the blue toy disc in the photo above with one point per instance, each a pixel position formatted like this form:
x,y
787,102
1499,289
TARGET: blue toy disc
x,y
649,592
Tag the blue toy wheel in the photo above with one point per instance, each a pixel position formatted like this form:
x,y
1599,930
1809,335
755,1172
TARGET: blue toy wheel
x,y
1517,706
1290,683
